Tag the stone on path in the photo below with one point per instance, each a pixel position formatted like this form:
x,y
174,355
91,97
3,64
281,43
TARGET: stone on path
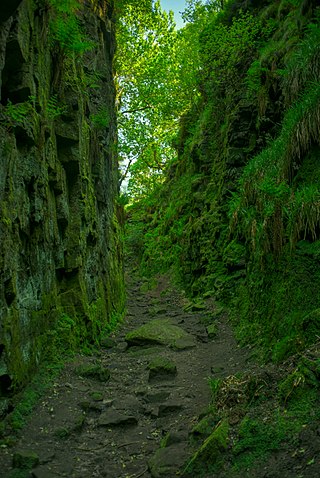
x,y
161,331
158,396
166,461
161,368
107,343
25,459
212,331
114,418
97,372
42,472
170,406
129,403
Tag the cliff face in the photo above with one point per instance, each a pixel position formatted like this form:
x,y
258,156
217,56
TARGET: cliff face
x,y
61,254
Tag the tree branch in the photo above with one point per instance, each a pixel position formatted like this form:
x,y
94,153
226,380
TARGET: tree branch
x,y
137,109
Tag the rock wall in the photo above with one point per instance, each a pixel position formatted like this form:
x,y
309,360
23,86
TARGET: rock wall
x,y
61,278
239,215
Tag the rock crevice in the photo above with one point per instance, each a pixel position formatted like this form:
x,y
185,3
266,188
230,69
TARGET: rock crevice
x,y
61,254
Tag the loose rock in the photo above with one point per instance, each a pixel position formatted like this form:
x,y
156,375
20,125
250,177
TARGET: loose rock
x,y
114,418
161,368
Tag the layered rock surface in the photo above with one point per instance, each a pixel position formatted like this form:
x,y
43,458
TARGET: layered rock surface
x,y
61,254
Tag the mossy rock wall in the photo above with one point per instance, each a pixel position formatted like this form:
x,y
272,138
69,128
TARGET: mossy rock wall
x,y
61,279
239,213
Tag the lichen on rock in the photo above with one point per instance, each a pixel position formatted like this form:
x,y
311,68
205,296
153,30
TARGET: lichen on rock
x,y
161,331
60,229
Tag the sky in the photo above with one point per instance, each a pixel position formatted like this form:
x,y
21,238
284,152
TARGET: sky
x,y
176,6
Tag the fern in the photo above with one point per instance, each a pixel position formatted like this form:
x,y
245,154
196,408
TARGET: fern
x,y
65,27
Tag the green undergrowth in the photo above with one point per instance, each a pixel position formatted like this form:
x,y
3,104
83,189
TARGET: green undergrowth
x,y
279,312
267,428
238,218
65,27
64,341
266,411
24,402
239,212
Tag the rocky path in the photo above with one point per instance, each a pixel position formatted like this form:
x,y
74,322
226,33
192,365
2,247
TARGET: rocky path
x,y
128,412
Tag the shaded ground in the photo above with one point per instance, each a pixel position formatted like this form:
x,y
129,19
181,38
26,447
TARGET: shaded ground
x,y
66,430
92,425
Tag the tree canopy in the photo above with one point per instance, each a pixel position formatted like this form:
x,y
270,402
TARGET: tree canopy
x,y
156,67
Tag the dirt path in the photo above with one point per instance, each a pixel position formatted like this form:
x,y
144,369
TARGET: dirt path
x,y
92,425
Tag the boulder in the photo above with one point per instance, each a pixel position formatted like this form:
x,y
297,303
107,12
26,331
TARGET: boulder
x,y
211,449
107,343
161,331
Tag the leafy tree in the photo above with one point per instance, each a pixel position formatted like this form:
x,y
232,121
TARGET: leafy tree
x,y
154,88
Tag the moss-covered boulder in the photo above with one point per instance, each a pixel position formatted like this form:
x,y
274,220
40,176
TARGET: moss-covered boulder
x,y
211,449
161,331
166,461
204,427
97,372
25,459
161,368
212,331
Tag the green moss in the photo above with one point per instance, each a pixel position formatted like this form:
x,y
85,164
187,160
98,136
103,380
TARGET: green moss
x,y
257,439
25,460
162,365
19,474
211,450
297,384
96,396
204,427
160,331
96,372
26,400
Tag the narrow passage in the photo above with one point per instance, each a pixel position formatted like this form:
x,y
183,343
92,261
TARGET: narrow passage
x,y
108,415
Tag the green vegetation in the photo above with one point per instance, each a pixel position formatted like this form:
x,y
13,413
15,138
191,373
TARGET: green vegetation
x,y
155,70
16,114
234,211
100,119
54,109
26,400
265,411
219,127
65,26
